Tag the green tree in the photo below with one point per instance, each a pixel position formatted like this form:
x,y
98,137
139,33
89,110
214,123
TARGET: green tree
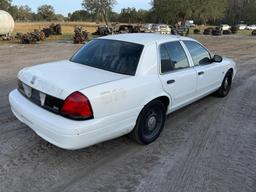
x,y
59,17
114,17
142,16
249,11
172,11
128,15
80,15
22,13
46,13
209,10
5,5
240,10
132,15
100,8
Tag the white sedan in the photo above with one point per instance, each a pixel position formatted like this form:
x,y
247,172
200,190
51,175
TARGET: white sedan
x,y
242,26
251,27
161,28
225,27
117,85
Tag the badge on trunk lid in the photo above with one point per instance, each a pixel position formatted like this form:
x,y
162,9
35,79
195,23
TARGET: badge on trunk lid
x,y
42,98
27,90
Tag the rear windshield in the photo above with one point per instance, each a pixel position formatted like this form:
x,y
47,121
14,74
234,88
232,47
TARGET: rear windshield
x,y
110,55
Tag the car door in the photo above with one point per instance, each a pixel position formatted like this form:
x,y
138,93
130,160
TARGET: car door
x,y
209,74
177,76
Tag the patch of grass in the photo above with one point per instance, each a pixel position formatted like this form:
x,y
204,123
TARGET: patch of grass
x,y
245,32
65,36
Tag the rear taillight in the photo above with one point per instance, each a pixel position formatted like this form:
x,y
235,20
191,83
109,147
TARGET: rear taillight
x,y
77,106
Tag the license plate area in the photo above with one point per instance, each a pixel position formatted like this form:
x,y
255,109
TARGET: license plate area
x,y
41,99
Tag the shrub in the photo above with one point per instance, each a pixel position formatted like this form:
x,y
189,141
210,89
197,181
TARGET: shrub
x,y
234,29
227,32
196,31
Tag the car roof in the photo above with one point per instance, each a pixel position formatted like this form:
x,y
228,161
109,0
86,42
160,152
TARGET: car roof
x,y
145,38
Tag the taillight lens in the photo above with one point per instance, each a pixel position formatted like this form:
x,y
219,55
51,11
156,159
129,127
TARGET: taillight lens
x,y
77,106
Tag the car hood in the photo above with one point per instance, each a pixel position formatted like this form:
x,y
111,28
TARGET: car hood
x,y
60,79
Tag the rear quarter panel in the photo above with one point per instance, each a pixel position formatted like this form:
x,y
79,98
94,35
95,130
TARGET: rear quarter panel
x,y
124,95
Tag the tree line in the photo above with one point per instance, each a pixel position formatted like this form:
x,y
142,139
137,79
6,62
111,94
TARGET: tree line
x,y
205,11
162,11
173,11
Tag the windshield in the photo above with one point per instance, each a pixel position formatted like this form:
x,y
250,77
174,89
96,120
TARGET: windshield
x,y
110,55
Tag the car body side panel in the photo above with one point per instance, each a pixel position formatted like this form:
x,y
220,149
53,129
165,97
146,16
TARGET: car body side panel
x,y
210,79
123,95
184,87
149,61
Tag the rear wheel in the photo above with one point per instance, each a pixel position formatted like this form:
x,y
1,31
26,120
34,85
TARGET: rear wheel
x,y
225,86
149,123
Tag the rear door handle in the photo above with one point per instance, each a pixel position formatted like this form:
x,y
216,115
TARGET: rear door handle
x,y
171,81
200,73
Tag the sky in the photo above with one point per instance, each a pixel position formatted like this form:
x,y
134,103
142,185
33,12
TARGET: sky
x,y
66,6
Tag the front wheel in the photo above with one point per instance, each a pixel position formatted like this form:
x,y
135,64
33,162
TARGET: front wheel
x,y
225,86
150,123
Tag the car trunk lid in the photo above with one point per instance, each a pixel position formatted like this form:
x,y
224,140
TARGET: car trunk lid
x,y
60,79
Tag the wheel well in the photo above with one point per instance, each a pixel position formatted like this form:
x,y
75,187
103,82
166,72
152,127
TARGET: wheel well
x,y
165,100
231,71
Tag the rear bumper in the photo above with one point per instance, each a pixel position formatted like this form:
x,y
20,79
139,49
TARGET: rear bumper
x,y
66,133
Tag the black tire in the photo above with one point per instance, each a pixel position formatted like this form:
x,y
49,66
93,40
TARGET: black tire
x,y
225,86
150,123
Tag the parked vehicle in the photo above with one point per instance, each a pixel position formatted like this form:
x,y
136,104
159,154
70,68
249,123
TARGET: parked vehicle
x,y
125,29
190,23
117,85
251,27
155,28
241,26
161,28
148,27
225,27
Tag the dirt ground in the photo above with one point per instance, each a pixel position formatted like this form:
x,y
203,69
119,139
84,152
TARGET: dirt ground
x,y
207,146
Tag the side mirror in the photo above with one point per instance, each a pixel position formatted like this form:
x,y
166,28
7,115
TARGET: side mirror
x,y
217,59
